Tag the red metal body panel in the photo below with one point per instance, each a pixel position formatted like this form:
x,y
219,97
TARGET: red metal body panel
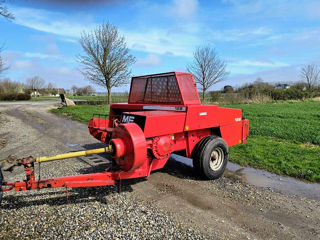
x,y
229,116
245,130
193,137
201,117
161,120
188,88
232,134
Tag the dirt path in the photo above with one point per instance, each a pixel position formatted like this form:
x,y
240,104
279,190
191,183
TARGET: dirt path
x,y
173,203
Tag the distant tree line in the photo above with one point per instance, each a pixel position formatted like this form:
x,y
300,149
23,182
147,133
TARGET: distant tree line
x,y
82,91
35,87
260,91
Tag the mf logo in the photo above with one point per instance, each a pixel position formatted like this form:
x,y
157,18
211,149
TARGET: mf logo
x,y
127,119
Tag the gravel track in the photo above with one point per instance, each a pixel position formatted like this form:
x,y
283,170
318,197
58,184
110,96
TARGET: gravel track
x,y
172,204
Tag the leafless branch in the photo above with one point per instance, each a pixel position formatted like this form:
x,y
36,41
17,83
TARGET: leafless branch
x,y
3,66
207,68
35,83
106,58
4,11
311,75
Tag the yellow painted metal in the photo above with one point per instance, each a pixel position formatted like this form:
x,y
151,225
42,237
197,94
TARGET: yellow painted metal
x,y
75,154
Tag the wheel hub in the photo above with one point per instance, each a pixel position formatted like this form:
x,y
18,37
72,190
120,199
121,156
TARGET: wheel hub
x,y
216,159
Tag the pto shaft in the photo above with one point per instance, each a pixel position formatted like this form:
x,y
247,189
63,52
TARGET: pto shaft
x,y
75,154
12,161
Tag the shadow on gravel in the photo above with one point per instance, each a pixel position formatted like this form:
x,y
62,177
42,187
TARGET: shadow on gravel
x,y
76,196
91,194
94,145
180,170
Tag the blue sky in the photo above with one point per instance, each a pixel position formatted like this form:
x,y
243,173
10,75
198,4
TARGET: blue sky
x,y
270,39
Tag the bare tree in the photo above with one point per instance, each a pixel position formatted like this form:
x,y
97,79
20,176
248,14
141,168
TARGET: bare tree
x,y
4,11
50,87
207,68
106,60
311,75
3,67
8,87
74,89
85,91
35,83
89,90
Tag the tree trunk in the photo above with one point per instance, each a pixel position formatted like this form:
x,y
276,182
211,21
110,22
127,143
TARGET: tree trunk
x,y
109,95
203,94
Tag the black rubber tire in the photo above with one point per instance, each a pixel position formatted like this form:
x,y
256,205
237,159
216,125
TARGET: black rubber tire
x,y
197,150
218,147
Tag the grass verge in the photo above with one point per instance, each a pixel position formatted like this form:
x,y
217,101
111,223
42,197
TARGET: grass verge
x,y
82,113
279,156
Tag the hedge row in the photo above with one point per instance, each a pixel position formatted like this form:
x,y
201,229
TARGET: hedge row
x,y
289,94
14,96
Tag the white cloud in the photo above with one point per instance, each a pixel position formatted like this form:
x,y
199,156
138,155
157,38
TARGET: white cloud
x,y
10,56
42,20
39,55
240,34
159,41
52,48
184,8
149,60
61,76
250,63
276,8
24,65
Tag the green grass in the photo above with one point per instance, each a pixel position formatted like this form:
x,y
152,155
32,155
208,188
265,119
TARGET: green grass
x,y
295,121
284,137
279,156
88,98
82,113
43,98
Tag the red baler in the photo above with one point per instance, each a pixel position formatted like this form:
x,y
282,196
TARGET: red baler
x,y
163,115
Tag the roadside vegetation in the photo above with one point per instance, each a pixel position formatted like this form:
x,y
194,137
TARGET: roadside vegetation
x,y
82,113
284,136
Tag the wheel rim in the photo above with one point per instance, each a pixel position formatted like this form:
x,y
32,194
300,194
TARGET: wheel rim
x,y
216,159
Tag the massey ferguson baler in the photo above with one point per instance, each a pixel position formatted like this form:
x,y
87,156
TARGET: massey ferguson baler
x,y
163,115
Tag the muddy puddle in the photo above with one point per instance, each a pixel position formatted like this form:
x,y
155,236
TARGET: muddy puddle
x,y
264,179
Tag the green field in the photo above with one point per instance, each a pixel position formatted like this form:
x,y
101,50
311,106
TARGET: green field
x,y
284,137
